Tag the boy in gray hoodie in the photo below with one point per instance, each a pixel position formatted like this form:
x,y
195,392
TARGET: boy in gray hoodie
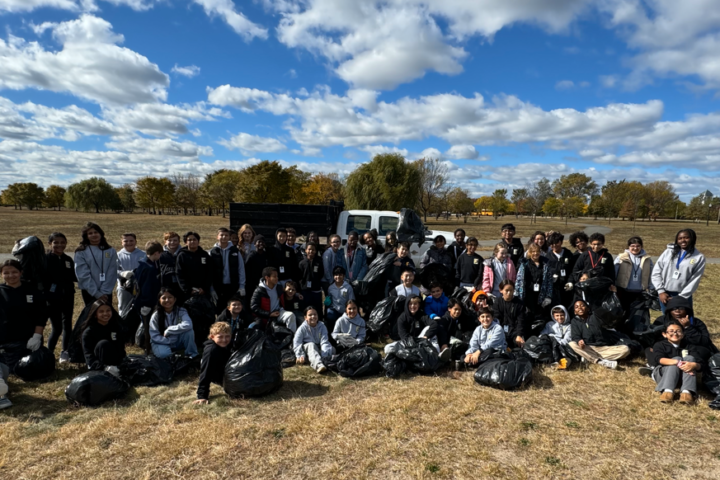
x,y
127,260
311,342
559,326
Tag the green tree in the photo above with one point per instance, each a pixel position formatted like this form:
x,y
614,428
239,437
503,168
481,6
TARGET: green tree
x,y
154,193
220,188
269,182
433,177
127,197
459,201
660,197
30,195
11,195
93,193
483,203
575,185
385,183
500,203
698,208
55,197
538,193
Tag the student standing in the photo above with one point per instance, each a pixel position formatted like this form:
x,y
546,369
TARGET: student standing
x,y
538,238
596,260
401,263
561,262
437,253
406,287
168,261
312,237
679,269
102,340
373,249
247,240
194,268
149,283
457,247
333,257
228,269
633,269
497,269
95,265
338,295
59,288
291,242
311,275
514,246
256,262
468,269
128,259
580,242
534,284
355,259
283,258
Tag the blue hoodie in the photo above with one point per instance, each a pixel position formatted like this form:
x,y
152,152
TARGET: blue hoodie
x,y
436,307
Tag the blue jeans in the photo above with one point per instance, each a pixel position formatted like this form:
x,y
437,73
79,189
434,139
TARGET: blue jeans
x,y
184,341
674,294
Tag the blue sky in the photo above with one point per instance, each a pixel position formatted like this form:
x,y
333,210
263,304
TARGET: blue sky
x,y
505,92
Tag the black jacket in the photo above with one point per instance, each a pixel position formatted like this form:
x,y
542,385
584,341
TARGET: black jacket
x,y
285,260
694,334
60,277
254,265
23,309
469,268
94,333
409,325
295,306
665,349
218,267
148,279
516,250
455,250
212,367
260,303
167,266
600,263
394,271
443,328
243,321
557,266
312,272
373,253
194,270
591,332
511,316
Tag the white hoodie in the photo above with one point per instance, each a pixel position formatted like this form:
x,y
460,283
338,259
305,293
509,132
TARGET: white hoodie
x,y
561,331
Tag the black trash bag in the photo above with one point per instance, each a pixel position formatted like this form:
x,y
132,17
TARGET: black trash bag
x,y
435,273
287,358
711,374
280,335
561,351
12,353
30,252
255,369
419,354
619,338
361,288
715,404
504,371
36,366
539,349
458,349
376,273
595,289
393,366
610,311
410,227
145,371
130,324
140,336
95,387
202,314
345,342
182,364
359,361
383,313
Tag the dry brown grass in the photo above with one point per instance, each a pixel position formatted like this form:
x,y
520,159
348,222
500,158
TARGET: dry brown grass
x,y
583,423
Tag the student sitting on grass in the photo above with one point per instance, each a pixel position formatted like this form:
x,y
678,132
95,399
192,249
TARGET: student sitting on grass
x,y
488,336
102,339
437,302
695,332
171,328
447,328
216,353
412,323
338,295
406,287
268,302
675,365
468,268
293,301
350,328
559,326
235,315
311,342
509,311
591,341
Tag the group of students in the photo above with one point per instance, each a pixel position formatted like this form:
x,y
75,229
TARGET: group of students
x,y
308,290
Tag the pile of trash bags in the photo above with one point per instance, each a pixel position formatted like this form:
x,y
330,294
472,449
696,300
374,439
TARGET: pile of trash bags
x,y
416,355
283,338
36,366
546,349
255,368
358,361
410,227
95,387
146,371
506,371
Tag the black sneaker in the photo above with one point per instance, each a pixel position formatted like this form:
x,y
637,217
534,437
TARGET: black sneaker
x,y
645,371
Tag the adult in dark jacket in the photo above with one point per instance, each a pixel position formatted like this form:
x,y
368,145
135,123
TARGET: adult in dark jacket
x,y
102,339
168,261
534,287
228,269
695,332
437,253
509,311
283,258
514,246
194,267
561,262
59,289
256,262
591,341
23,315
596,259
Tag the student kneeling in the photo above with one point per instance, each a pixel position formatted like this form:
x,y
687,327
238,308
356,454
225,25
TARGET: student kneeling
x,y
102,341
488,336
216,353
311,341
171,328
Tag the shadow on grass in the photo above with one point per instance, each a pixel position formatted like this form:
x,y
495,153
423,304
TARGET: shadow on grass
x,y
298,389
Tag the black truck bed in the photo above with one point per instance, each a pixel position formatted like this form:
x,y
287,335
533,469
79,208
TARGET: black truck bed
x,y
265,218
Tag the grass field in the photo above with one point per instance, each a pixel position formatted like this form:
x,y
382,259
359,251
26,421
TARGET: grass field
x,y
583,423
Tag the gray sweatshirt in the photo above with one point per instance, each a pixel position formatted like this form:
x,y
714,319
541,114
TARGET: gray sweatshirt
x,y
128,260
672,275
340,295
561,331
177,322
90,264
317,335
353,327
490,338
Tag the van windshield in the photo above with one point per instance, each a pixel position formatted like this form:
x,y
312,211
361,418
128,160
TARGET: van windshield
x,y
359,223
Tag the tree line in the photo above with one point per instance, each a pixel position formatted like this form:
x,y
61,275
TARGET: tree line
x,y
388,182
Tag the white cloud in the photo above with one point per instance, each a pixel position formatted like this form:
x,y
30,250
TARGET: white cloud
x,y
564,85
161,119
462,152
236,20
189,71
160,146
608,81
247,144
90,65
72,5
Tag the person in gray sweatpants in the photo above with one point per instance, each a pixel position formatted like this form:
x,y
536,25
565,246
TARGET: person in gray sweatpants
x,y
4,372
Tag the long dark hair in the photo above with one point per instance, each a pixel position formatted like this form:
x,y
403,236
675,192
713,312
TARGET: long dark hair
x,y
544,248
92,314
160,310
691,245
84,243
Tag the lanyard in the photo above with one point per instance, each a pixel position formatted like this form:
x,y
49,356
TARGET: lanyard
x,y
592,262
102,259
682,257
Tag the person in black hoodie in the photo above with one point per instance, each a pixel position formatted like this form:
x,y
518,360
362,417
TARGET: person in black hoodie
x,y
311,275
102,340
23,315
595,260
514,246
59,288
579,241
456,248
216,353
283,258
509,311
675,363
194,268
695,332
469,265
256,262
591,341
412,323
401,263
168,261
561,262
235,315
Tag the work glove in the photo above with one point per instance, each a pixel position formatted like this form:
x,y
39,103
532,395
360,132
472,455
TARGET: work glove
x,y
115,371
546,302
568,286
145,311
127,274
35,342
241,292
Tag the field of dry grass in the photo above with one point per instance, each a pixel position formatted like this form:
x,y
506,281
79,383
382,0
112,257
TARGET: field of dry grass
x,y
583,423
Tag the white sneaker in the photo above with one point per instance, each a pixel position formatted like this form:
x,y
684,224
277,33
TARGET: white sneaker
x,y
64,357
322,369
611,364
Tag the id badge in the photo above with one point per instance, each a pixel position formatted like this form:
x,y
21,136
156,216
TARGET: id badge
x,y
282,269
67,265
53,287
507,328
562,273
635,277
536,287
684,353
309,284
344,292
102,277
676,274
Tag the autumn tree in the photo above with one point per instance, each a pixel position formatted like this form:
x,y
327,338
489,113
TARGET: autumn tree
x,y
187,192
660,196
153,193
269,182
538,193
500,203
29,195
127,197
322,188
55,197
519,198
575,185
